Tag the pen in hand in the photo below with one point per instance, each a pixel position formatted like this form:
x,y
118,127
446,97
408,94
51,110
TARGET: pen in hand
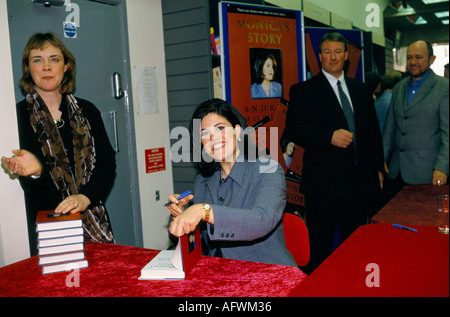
x,y
186,193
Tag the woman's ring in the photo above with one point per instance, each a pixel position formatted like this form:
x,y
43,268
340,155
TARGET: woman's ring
x,y
75,204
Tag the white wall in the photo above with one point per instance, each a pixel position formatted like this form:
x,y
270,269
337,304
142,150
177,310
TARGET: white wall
x,y
145,33
13,228
152,131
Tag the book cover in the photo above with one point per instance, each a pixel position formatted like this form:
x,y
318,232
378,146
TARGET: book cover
x,y
175,264
217,82
164,266
213,42
48,220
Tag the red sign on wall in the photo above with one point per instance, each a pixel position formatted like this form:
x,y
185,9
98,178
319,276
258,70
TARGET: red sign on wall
x,y
155,160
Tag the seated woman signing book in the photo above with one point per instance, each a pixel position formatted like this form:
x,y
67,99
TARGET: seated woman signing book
x,y
238,201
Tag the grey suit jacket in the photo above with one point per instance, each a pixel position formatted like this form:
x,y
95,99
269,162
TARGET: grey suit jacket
x,y
248,211
415,136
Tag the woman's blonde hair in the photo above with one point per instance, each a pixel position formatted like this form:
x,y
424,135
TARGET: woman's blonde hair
x,y
41,41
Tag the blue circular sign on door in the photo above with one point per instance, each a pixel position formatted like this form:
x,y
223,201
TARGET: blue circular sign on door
x,y
70,30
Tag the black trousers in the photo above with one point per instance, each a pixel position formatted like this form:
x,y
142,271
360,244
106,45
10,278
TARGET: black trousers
x,y
323,215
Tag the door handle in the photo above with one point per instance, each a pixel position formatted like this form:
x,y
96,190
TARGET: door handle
x,y
116,135
117,86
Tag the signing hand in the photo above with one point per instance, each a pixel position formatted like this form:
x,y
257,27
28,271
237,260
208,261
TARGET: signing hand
x,y
23,163
177,206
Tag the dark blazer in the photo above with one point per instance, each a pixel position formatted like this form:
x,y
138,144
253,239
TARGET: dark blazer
x,y
314,114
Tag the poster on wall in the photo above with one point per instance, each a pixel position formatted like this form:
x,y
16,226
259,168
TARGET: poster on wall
x,y
262,56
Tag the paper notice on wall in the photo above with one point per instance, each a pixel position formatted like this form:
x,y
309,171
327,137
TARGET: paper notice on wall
x,y
146,95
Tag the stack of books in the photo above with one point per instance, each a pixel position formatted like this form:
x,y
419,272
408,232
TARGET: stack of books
x,y
60,242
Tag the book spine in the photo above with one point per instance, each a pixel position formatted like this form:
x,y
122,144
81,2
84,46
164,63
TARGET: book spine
x,y
59,258
64,267
61,249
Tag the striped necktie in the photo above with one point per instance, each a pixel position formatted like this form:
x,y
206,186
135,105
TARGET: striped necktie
x,y
348,112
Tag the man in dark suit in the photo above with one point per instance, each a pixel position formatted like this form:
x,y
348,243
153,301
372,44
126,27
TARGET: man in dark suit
x,y
343,158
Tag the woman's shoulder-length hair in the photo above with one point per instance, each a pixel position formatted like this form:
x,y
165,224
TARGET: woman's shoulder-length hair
x,y
41,41
229,112
259,63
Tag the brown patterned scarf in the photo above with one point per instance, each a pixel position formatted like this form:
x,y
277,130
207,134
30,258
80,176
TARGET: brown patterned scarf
x,y
95,221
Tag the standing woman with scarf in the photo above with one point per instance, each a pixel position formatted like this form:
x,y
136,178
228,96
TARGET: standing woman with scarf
x,y
66,162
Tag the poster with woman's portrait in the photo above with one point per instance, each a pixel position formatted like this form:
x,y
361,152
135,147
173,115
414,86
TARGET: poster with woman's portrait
x,y
266,73
262,58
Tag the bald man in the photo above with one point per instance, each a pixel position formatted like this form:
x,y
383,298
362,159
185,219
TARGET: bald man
x,y
415,134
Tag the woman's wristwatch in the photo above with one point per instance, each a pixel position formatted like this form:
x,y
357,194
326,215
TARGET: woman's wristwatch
x,y
207,208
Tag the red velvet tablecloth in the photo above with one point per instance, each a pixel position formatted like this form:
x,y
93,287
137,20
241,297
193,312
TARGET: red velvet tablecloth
x,y
407,264
413,205
114,271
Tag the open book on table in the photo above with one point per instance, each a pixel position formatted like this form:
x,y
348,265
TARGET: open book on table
x,y
175,264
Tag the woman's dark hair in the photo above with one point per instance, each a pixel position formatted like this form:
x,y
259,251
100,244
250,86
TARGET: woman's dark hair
x,y
284,141
259,64
226,110
41,41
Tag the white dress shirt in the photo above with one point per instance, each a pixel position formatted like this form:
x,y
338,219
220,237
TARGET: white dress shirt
x,y
333,82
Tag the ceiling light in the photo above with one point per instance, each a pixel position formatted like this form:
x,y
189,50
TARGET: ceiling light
x,y
433,1
48,3
416,19
444,22
405,9
441,14
400,6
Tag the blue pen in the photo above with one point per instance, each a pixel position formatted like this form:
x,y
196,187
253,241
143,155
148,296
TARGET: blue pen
x,y
403,227
186,193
